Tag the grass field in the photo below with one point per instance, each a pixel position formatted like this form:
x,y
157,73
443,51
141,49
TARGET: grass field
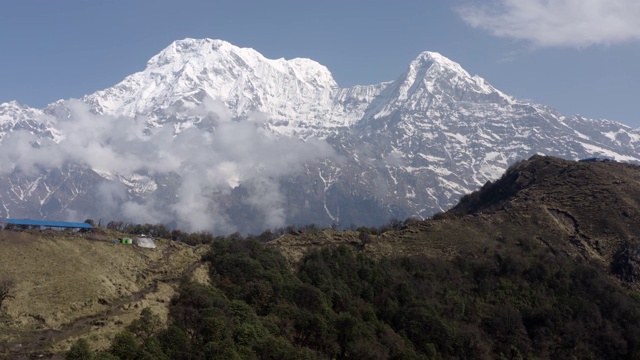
x,y
71,284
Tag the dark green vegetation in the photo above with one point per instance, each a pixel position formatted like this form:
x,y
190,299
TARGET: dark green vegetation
x,y
517,301
539,264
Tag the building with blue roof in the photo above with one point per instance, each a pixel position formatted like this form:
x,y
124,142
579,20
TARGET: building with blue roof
x,y
48,224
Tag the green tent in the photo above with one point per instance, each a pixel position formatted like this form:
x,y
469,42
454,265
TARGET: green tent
x,y
126,241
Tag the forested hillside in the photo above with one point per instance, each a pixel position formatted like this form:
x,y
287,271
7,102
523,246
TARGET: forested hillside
x,y
542,263
519,300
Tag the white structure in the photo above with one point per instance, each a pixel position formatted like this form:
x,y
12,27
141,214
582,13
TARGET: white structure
x,y
145,242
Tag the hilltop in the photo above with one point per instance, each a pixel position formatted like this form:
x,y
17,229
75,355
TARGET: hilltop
x,y
586,209
590,209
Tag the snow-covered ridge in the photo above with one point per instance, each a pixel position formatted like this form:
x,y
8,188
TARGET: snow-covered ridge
x,y
215,125
192,73
16,117
298,96
196,80
432,80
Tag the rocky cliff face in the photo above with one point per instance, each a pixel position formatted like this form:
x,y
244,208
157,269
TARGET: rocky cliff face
x,y
212,131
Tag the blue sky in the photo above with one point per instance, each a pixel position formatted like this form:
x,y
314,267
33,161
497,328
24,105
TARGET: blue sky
x,y
578,56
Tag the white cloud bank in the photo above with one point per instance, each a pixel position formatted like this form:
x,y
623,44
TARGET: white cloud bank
x,y
211,158
557,23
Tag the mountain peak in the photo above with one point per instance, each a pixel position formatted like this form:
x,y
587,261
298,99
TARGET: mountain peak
x,y
189,71
181,51
13,104
436,57
15,109
436,62
215,53
433,78
190,45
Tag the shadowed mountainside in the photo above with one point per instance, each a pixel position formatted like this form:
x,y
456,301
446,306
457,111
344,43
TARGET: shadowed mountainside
x,y
586,209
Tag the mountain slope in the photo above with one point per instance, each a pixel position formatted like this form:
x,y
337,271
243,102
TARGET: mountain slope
x,y
593,204
584,210
69,285
213,129
541,263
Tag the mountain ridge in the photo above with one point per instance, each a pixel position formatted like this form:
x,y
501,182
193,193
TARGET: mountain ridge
x,y
360,155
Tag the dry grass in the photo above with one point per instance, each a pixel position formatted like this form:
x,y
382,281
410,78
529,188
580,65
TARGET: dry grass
x,y
70,285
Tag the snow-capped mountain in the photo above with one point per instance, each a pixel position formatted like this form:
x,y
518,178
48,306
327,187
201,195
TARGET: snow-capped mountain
x,y
210,133
16,117
299,93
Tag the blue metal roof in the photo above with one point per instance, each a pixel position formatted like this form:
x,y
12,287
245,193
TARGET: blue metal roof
x,y
47,223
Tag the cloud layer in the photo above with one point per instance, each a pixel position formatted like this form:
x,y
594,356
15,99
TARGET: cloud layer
x,y
210,157
557,23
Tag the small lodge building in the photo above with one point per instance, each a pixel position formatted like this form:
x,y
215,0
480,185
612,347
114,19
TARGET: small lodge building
x,y
39,224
